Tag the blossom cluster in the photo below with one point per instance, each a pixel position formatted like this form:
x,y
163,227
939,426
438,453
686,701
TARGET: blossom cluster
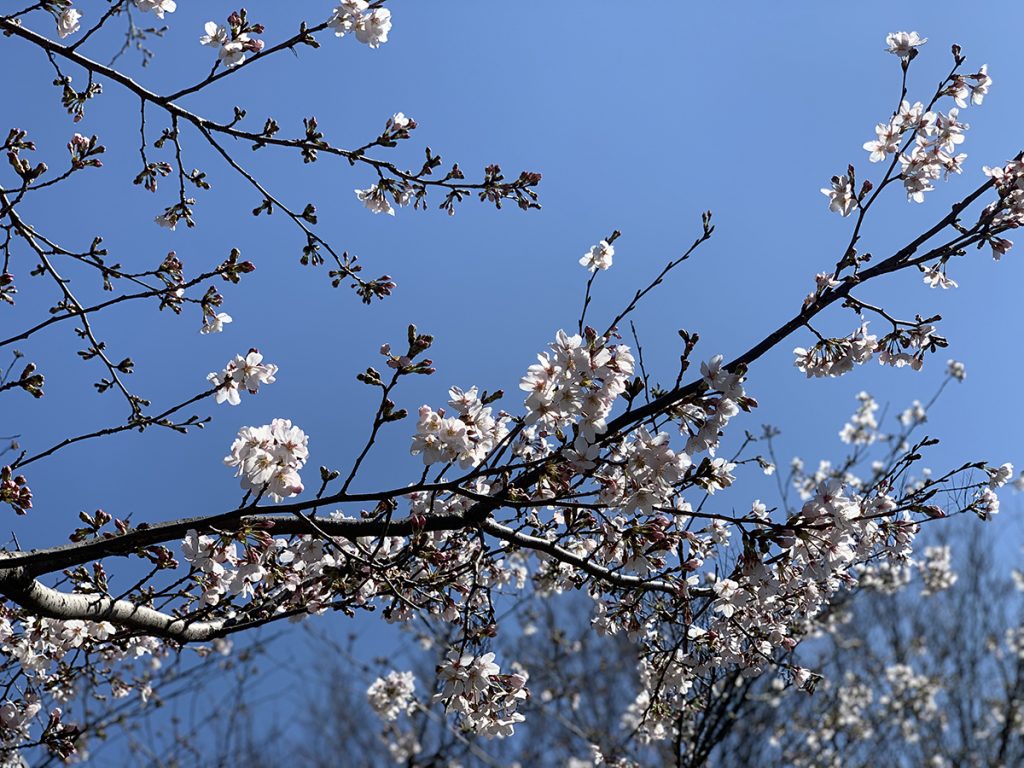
x,y
910,691
392,695
834,357
234,41
269,458
467,437
914,415
905,345
759,610
262,575
898,697
242,373
287,571
375,197
923,141
1008,211
862,428
370,27
705,421
893,347
936,569
576,382
474,687
936,137
41,647
14,490
642,473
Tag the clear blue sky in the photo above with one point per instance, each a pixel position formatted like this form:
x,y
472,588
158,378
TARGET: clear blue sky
x,y
639,116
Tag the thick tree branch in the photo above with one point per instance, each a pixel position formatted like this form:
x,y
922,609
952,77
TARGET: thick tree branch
x,y
18,585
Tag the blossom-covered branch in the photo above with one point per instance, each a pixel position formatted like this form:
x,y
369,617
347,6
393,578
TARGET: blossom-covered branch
x,y
594,479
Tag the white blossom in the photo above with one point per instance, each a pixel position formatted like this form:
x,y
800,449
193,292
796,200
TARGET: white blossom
x,y
268,458
936,570
68,22
887,142
400,122
467,438
375,200
903,44
474,687
215,36
935,277
862,429
392,695
233,47
999,476
216,323
841,197
242,373
914,415
986,506
370,27
599,256
157,7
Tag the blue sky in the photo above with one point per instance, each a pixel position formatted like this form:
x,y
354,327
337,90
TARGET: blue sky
x,y
639,117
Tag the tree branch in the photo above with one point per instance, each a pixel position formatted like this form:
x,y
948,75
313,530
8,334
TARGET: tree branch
x,y
18,585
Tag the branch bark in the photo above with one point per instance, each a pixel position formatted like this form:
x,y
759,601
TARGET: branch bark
x,y
18,585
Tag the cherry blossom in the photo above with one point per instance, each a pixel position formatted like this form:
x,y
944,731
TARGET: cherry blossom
x,y
242,373
936,570
914,415
166,220
215,323
970,87
999,476
862,429
400,123
841,197
370,27
157,7
935,277
268,458
576,381
904,44
979,88
215,36
392,695
375,200
888,142
598,257
68,22
834,357
234,41
467,438
986,506
474,687
730,597
610,479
